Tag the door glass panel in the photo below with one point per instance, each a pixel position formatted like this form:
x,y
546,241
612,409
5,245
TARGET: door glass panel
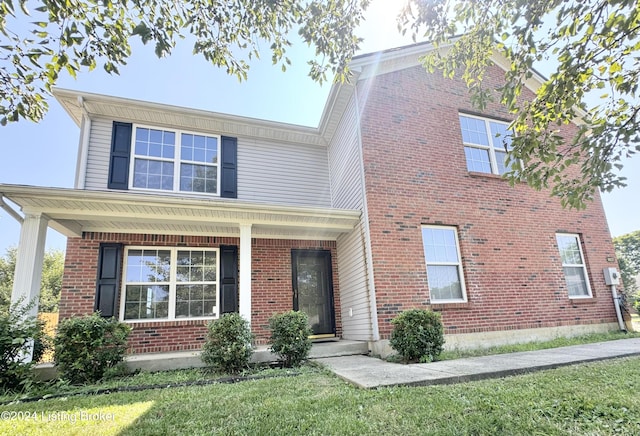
x,y
313,293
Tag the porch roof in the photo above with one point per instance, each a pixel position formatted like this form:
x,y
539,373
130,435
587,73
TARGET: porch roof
x,y
73,211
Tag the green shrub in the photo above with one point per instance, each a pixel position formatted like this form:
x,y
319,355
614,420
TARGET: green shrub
x,y
18,331
228,345
90,348
417,335
290,333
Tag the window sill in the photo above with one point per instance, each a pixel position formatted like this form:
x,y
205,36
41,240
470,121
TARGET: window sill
x,y
486,175
167,322
582,300
451,305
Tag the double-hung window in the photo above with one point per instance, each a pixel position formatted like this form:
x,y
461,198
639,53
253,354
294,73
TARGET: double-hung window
x,y
172,160
170,283
486,144
444,269
573,265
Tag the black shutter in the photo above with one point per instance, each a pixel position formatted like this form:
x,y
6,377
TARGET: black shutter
x,y
229,168
108,278
120,152
228,279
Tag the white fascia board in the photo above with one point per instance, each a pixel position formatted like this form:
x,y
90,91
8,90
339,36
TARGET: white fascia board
x,y
68,99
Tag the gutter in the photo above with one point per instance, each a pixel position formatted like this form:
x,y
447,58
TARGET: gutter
x,y
15,215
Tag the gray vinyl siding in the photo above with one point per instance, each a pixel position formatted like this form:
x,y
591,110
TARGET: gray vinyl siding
x,y
287,174
268,172
347,193
98,154
354,296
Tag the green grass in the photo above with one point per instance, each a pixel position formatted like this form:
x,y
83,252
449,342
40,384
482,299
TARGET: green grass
x,y
599,399
139,379
538,345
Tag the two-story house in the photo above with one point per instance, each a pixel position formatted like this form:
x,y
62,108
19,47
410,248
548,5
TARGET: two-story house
x,y
394,201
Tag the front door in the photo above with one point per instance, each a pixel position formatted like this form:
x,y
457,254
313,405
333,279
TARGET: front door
x,y
313,290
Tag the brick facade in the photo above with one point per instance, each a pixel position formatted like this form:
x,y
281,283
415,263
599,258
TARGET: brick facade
x,y
416,174
271,284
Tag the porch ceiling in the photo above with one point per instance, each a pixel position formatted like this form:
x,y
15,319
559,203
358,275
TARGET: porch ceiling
x,y
73,212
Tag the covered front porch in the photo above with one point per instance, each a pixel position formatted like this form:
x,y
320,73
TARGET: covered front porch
x,y
92,218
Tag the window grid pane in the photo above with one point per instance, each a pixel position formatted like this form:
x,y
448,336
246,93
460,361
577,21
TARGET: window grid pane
x,y
573,265
158,165
485,151
151,277
477,160
444,274
198,178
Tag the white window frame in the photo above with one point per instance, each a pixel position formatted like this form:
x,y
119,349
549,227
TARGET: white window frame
x,y
172,283
583,265
457,264
493,161
177,160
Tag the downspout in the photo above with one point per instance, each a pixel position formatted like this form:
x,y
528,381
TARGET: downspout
x,y
612,278
616,304
15,215
83,146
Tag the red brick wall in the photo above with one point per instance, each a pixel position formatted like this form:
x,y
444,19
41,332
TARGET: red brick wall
x,y
416,173
271,290
270,281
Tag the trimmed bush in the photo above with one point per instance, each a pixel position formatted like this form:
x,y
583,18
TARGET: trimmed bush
x,y
18,331
228,345
290,333
90,348
417,335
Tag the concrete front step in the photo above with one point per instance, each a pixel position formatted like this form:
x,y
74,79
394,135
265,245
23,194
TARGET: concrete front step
x,y
191,359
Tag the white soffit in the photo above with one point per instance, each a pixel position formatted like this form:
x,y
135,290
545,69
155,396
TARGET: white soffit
x,y
75,211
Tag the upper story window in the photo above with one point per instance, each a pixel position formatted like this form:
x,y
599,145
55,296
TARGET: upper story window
x,y
573,265
173,160
444,269
486,143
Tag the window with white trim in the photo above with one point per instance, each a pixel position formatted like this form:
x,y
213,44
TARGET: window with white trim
x,y
573,265
164,283
444,269
174,160
486,144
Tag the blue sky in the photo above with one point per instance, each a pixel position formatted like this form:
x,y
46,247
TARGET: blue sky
x,y
44,154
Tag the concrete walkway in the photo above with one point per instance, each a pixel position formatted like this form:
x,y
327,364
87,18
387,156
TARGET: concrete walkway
x,y
369,372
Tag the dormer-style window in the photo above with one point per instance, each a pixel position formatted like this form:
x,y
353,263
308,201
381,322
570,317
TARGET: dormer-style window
x,y
486,144
173,160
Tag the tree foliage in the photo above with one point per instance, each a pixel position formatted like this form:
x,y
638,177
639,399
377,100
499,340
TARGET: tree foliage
x,y
628,253
41,38
50,284
594,44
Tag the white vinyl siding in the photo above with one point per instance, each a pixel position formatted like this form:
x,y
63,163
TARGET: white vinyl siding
x,y
98,154
281,173
354,296
268,172
346,192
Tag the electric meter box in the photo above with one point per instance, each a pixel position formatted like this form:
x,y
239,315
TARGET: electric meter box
x,y
611,276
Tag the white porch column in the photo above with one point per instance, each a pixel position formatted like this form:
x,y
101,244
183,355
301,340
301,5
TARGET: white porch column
x,y
245,271
29,260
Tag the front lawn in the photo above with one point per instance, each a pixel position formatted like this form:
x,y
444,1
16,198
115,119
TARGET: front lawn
x,y
598,398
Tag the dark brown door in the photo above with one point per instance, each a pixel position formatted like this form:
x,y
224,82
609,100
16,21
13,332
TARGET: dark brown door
x,y
313,289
